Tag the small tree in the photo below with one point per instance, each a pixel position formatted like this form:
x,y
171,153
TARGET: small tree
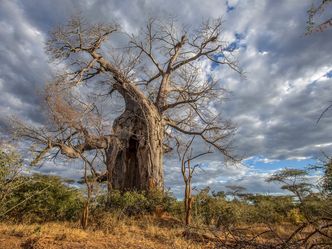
x,y
187,171
90,179
293,180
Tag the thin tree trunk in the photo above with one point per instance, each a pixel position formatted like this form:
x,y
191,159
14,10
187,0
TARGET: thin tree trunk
x,y
85,215
188,202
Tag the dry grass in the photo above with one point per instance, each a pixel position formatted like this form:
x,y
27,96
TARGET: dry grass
x,y
147,232
116,231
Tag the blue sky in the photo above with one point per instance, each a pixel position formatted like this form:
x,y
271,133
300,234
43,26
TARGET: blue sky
x,y
287,83
263,165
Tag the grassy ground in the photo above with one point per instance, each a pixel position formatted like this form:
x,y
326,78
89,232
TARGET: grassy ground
x,y
121,232
145,233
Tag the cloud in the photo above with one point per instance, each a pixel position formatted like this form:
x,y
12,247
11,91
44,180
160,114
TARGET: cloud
x,y
286,86
288,74
24,68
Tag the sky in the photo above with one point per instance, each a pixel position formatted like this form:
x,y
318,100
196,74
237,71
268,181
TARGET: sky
x,y
287,83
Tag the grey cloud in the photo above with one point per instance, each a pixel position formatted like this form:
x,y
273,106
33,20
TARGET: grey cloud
x,y
24,67
277,106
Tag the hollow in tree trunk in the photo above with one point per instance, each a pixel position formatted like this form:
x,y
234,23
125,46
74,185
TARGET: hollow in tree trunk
x,y
135,159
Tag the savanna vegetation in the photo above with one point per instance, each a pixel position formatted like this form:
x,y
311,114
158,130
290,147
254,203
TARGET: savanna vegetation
x,y
120,200
39,211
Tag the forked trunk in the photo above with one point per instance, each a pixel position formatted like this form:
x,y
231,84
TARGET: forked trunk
x,y
135,161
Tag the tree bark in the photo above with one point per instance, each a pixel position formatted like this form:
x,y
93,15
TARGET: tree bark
x,y
135,159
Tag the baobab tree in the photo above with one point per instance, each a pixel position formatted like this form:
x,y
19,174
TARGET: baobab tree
x,y
159,78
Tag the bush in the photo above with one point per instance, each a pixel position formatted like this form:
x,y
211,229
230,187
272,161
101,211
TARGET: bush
x,y
219,211
295,217
269,209
10,168
138,202
214,210
316,206
131,203
43,198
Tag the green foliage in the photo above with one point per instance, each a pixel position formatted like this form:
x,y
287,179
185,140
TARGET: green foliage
x,y
215,209
317,206
269,209
43,198
309,206
136,203
327,178
40,198
295,216
131,203
218,210
293,180
10,167
287,174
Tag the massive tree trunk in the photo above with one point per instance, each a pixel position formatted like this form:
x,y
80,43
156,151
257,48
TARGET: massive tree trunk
x,y
135,159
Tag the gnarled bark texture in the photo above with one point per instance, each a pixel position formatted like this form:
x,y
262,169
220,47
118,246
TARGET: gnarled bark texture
x,y
135,159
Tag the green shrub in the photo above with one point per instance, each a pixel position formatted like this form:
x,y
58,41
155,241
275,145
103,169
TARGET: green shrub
x,y
295,216
316,206
43,198
131,203
10,168
269,209
137,202
215,210
218,211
